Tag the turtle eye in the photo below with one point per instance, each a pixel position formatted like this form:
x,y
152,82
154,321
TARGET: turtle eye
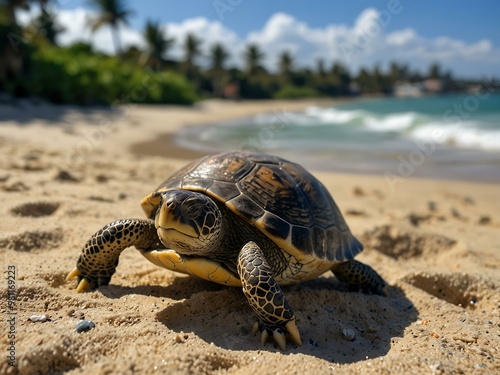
x,y
192,208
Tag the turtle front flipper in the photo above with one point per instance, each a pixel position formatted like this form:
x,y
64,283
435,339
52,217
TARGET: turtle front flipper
x,y
275,316
99,257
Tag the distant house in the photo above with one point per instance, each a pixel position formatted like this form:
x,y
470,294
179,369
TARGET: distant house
x,y
232,91
433,86
407,89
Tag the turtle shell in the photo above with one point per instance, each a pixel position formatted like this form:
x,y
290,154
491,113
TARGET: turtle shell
x,y
280,198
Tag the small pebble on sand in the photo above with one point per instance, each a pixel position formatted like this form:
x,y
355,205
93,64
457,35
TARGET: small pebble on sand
x,y
84,325
349,334
38,318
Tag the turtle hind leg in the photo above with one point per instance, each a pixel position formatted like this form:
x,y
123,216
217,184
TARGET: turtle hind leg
x,y
100,255
275,316
359,276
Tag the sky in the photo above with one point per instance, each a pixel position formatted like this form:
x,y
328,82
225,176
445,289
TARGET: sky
x,y
463,36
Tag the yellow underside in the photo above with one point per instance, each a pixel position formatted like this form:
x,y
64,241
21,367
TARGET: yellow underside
x,y
212,271
200,267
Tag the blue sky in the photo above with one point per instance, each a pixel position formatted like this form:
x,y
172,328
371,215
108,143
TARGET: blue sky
x,y
466,20
461,35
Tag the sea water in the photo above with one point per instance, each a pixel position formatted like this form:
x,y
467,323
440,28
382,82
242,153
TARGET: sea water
x,y
450,137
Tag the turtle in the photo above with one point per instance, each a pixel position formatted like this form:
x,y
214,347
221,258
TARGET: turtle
x,y
239,218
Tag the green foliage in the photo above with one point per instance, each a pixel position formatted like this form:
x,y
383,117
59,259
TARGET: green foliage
x,y
31,65
253,58
47,26
62,76
80,48
157,45
294,92
258,86
111,12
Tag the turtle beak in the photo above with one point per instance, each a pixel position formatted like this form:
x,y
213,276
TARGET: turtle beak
x,y
168,220
150,203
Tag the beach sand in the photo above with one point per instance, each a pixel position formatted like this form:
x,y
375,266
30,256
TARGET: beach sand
x,y
65,172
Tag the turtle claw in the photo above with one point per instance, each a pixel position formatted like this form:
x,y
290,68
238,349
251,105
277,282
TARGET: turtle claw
x,y
255,328
292,329
263,337
74,273
279,334
83,285
279,337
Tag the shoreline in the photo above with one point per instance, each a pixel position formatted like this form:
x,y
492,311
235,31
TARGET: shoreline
x,y
165,144
150,131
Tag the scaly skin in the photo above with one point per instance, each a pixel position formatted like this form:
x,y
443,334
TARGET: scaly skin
x,y
359,276
275,316
99,257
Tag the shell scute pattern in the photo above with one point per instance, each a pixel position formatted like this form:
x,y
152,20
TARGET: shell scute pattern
x,y
228,190
320,202
301,237
280,198
275,226
274,189
223,168
245,207
198,184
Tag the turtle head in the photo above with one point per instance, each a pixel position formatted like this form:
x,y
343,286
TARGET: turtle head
x,y
188,222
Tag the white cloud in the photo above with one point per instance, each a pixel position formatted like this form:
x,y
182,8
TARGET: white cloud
x,y
364,43
402,37
209,32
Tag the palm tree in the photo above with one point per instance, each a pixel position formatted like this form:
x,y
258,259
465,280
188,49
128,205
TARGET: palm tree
x,y
10,6
157,45
320,67
340,79
253,57
46,23
398,72
192,47
218,55
112,13
11,41
365,81
285,67
434,71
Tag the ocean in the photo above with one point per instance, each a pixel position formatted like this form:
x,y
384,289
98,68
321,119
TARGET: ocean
x,y
447,137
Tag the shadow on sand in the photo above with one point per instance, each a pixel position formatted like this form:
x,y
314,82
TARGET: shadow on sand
x,y
323,308
24,111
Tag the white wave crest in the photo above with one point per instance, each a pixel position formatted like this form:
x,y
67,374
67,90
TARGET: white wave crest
x,y
395,122
333,115
465,136
371,121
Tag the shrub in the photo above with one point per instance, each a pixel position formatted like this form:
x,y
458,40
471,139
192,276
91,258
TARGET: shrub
x,y
294,92
75,76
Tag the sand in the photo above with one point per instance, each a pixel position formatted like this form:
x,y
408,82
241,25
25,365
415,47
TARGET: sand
x,y
65,172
